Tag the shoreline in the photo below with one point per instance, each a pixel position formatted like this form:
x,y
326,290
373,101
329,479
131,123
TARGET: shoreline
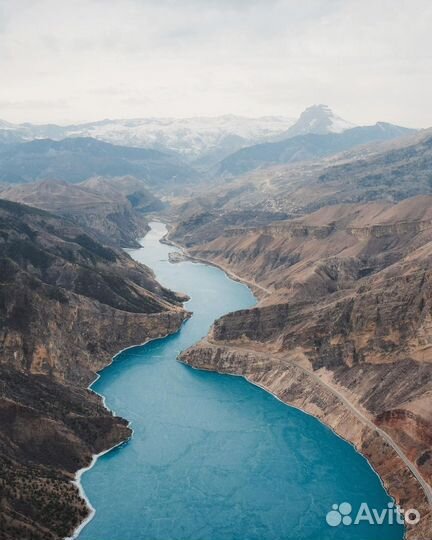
x,y
304,411
79,474
252,286
77,482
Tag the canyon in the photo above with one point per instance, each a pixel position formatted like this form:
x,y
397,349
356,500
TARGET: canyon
x,y
342,329
338,250
213,456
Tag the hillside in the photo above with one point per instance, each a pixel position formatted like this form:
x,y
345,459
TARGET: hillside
x,y
68,303
305,147
112,209
135,191
343,329
77,159
390,171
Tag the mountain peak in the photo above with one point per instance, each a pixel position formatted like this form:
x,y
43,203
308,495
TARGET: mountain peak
x,y
319,119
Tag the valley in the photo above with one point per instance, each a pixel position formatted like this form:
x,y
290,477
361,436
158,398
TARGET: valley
x,y
194,431
330,226
215,270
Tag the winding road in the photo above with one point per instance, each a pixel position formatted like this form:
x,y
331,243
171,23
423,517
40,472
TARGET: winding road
x,y
427,489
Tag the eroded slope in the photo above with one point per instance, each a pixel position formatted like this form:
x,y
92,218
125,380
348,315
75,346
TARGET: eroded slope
x,y
67,304
344,331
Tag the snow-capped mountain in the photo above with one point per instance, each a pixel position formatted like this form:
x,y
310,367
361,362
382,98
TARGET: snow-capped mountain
x,y
202,140
319,119
9,133
205,139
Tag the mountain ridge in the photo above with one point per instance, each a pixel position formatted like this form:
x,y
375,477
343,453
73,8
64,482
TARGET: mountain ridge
x,y
114,210
307,147
202,141
192,138
68,304
77,159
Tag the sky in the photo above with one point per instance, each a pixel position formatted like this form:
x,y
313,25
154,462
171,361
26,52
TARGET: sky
x,y
70,61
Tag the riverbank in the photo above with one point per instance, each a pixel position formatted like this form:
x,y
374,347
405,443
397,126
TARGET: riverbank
x,y
259,291
398,474
78,476
194,432
293,385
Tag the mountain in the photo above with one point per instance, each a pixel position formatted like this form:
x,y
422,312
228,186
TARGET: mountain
x,y
9,133
134,190
318,119
342,330
205,139
77,159
339,251
68,303
392,172
389,172
306,147
111,209
201,141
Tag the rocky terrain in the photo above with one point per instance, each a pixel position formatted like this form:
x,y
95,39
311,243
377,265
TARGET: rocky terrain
x,y
68,304
389,171
338,250
343,328
113,209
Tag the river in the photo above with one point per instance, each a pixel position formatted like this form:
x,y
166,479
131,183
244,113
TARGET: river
x,y
213,457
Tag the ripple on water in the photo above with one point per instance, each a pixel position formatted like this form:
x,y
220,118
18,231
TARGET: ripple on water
x,y
213,457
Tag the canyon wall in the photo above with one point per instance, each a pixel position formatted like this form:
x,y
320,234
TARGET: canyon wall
x,y
67,305
343,330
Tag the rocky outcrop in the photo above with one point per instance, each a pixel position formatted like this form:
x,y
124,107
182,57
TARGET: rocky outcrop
x,y
67,305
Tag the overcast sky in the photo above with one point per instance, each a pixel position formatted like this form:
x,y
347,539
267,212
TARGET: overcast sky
x,y
82,60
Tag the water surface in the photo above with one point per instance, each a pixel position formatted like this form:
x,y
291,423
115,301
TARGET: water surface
x,y
213,457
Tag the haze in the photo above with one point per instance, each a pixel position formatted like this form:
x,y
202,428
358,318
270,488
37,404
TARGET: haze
x,y
87,60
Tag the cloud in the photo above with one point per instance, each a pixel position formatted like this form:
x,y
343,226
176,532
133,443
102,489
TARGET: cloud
x,y
34,105
369,60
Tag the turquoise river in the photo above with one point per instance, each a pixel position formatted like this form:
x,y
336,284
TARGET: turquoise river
x,y
213,457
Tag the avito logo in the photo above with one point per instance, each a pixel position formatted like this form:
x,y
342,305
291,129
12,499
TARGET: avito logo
x,y
342,514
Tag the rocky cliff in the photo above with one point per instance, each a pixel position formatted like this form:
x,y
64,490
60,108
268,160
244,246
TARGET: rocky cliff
x,y
67,305
344,331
